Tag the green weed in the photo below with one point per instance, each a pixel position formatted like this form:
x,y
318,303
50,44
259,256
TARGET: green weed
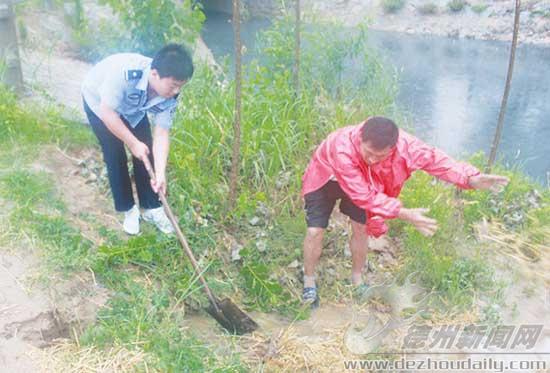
x,y
149,27
29,190
31,124
145,316
456,5
455,276
392,6
427,8
39,212
479,8
541,13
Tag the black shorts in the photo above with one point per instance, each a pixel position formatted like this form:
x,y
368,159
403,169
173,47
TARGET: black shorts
x,y
320,203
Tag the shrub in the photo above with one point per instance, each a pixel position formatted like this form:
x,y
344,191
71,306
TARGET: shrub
x,y
427,8
146,27
392,6
479,8
456,5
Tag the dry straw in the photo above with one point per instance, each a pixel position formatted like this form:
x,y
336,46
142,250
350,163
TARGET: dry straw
x,y
529,248
68,357
518,245
287,351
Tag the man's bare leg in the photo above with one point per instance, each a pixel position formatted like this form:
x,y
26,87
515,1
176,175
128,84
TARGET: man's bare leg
x,y
358,245
313,245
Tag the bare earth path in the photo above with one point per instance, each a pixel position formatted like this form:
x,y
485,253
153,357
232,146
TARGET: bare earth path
x,y
32,314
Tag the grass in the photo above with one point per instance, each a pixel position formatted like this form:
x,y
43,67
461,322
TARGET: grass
x,y
28,189
152,283
148,311
541,13
39,217
278,129
456,269
456,5
39,212
392,6
31,124
145,315
479,8
427,8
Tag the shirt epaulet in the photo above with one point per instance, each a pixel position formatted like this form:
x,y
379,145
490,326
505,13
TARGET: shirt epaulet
x,y
133,74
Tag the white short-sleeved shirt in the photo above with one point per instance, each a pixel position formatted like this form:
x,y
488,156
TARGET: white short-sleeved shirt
x,y
120,81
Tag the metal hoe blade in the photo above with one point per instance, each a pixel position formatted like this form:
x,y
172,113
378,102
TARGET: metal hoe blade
x,y
231,317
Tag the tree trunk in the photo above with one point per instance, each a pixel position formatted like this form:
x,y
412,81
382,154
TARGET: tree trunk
x,y
10,64
237,113
500,122
297,49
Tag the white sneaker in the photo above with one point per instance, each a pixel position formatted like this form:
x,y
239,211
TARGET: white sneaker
x,y
158,217
131,221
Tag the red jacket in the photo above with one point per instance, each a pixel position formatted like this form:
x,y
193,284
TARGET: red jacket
x,y
375,188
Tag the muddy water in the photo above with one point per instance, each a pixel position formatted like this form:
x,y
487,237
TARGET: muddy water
x,y
315,344
327,317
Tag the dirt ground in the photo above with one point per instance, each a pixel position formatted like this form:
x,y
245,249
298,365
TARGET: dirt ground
x,y
80,187
36,316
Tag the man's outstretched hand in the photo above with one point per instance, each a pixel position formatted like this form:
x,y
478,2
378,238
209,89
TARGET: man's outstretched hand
x,y
494,183
428,226
425,225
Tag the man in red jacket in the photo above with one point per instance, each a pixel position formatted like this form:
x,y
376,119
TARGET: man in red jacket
x,y
365,166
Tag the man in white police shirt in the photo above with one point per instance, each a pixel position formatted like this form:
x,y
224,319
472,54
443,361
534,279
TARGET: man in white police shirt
x,y
118,94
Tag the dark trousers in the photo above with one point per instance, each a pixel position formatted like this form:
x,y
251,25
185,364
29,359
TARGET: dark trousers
x,y
116,161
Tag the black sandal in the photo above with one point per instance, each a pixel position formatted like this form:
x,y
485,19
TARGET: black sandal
x,y
310,296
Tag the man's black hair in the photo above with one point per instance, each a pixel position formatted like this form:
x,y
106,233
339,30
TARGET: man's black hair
x,y
379,132
173,61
